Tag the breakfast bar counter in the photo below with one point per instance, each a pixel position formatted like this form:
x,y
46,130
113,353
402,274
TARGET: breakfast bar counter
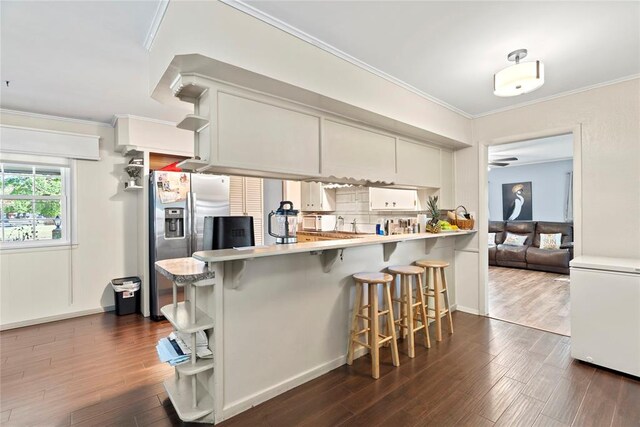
x,y
281,313
294,248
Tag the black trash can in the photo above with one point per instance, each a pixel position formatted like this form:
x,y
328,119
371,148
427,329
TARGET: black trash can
x,y
127,295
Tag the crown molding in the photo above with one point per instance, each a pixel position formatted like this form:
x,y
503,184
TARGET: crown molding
x,y
144,119
283,26
52,117
155,24
559,95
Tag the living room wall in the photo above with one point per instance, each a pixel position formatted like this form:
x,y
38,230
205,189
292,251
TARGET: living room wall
x,y
548,188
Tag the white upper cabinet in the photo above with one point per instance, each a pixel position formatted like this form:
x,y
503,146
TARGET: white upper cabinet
x,y
418,164
391,199
447,193
350,151
260,136
316,198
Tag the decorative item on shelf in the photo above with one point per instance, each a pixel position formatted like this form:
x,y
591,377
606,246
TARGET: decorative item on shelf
x,y
433,226
464,221
134,170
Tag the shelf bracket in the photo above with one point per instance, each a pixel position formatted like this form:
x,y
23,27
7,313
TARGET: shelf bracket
x,y
238,268
429,244
388,250
328,257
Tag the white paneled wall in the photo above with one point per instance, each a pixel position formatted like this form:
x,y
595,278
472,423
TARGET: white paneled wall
x,y
52,283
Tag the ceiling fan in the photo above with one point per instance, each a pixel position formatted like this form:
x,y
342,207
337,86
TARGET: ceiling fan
x,y
505,161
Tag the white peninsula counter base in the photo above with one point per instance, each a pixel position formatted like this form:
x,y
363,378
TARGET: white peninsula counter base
x,y
281,313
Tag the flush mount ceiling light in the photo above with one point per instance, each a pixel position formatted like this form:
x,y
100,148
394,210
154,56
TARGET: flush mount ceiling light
x,y
518,79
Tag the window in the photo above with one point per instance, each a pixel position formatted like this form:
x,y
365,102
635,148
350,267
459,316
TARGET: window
x,y
34,205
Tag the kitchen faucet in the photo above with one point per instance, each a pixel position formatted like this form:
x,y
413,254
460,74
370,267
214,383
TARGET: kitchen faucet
x,y
355,226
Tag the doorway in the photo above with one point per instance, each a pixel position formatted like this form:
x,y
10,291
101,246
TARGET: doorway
x,y
531,229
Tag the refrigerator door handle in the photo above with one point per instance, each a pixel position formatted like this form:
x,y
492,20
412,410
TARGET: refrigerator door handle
x,y
194,229
189,226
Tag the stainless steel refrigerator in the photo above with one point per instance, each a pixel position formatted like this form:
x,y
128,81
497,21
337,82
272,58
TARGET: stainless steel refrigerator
x,y
178,204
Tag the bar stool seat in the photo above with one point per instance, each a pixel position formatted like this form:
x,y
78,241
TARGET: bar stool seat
x,y
405,269
410,312
373,278
432,263
370,315
435,289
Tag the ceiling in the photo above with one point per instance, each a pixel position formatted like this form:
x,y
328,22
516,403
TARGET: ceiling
x,y
539,150
79,59
450,50
86,59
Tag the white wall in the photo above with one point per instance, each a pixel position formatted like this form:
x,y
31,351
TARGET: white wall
x,y
36,283
608,127
548,188
610,134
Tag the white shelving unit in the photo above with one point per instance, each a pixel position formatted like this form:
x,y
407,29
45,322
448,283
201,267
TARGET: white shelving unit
x,y
136,169
188,389
193,122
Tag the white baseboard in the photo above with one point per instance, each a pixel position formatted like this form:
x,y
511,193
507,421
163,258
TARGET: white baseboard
x,y
466,309
248,402
57,317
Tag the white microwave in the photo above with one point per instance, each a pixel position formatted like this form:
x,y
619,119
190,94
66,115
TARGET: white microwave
x,y
318,222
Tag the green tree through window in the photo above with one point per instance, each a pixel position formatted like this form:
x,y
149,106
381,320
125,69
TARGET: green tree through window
x,y
32,198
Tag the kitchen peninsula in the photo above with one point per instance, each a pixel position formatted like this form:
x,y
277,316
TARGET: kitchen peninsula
x,y
280,313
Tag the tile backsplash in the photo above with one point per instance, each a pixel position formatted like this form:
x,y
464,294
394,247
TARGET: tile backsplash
x,y
353,203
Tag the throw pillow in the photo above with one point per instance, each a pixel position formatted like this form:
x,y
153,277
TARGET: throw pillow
x,y
492,240
550,241
515,239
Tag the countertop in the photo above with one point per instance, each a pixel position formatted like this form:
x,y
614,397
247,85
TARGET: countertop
x,y
184,270
293,248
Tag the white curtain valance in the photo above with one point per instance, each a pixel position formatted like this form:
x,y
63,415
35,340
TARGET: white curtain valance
x,y
41,142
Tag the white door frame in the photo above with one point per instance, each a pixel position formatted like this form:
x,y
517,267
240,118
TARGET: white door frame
x,y
483,206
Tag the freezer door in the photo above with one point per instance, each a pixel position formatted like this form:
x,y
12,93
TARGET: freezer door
x,y
605,319
209,197
167,190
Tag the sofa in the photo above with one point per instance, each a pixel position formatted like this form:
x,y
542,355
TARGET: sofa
x,y
530,256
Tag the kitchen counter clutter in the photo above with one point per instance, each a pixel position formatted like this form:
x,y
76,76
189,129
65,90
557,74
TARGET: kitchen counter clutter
x,y
256,293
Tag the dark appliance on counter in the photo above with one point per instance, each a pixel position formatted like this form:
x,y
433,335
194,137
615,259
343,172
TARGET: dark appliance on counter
x,y
232,232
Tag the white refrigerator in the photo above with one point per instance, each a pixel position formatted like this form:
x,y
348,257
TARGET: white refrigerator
x,y
605,312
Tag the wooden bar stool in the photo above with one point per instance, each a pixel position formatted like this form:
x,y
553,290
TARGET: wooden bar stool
x,y
434,289
370,314
411,311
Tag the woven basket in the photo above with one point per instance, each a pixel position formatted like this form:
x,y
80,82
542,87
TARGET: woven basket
x,y
463,224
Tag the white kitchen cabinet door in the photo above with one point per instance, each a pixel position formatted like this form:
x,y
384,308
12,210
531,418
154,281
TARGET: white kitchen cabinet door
x,y
391,199
353,152
418,164
259,136
447,192
246,199
316,198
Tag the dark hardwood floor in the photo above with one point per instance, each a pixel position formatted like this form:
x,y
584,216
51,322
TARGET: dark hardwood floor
x,y
530,298
102,370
